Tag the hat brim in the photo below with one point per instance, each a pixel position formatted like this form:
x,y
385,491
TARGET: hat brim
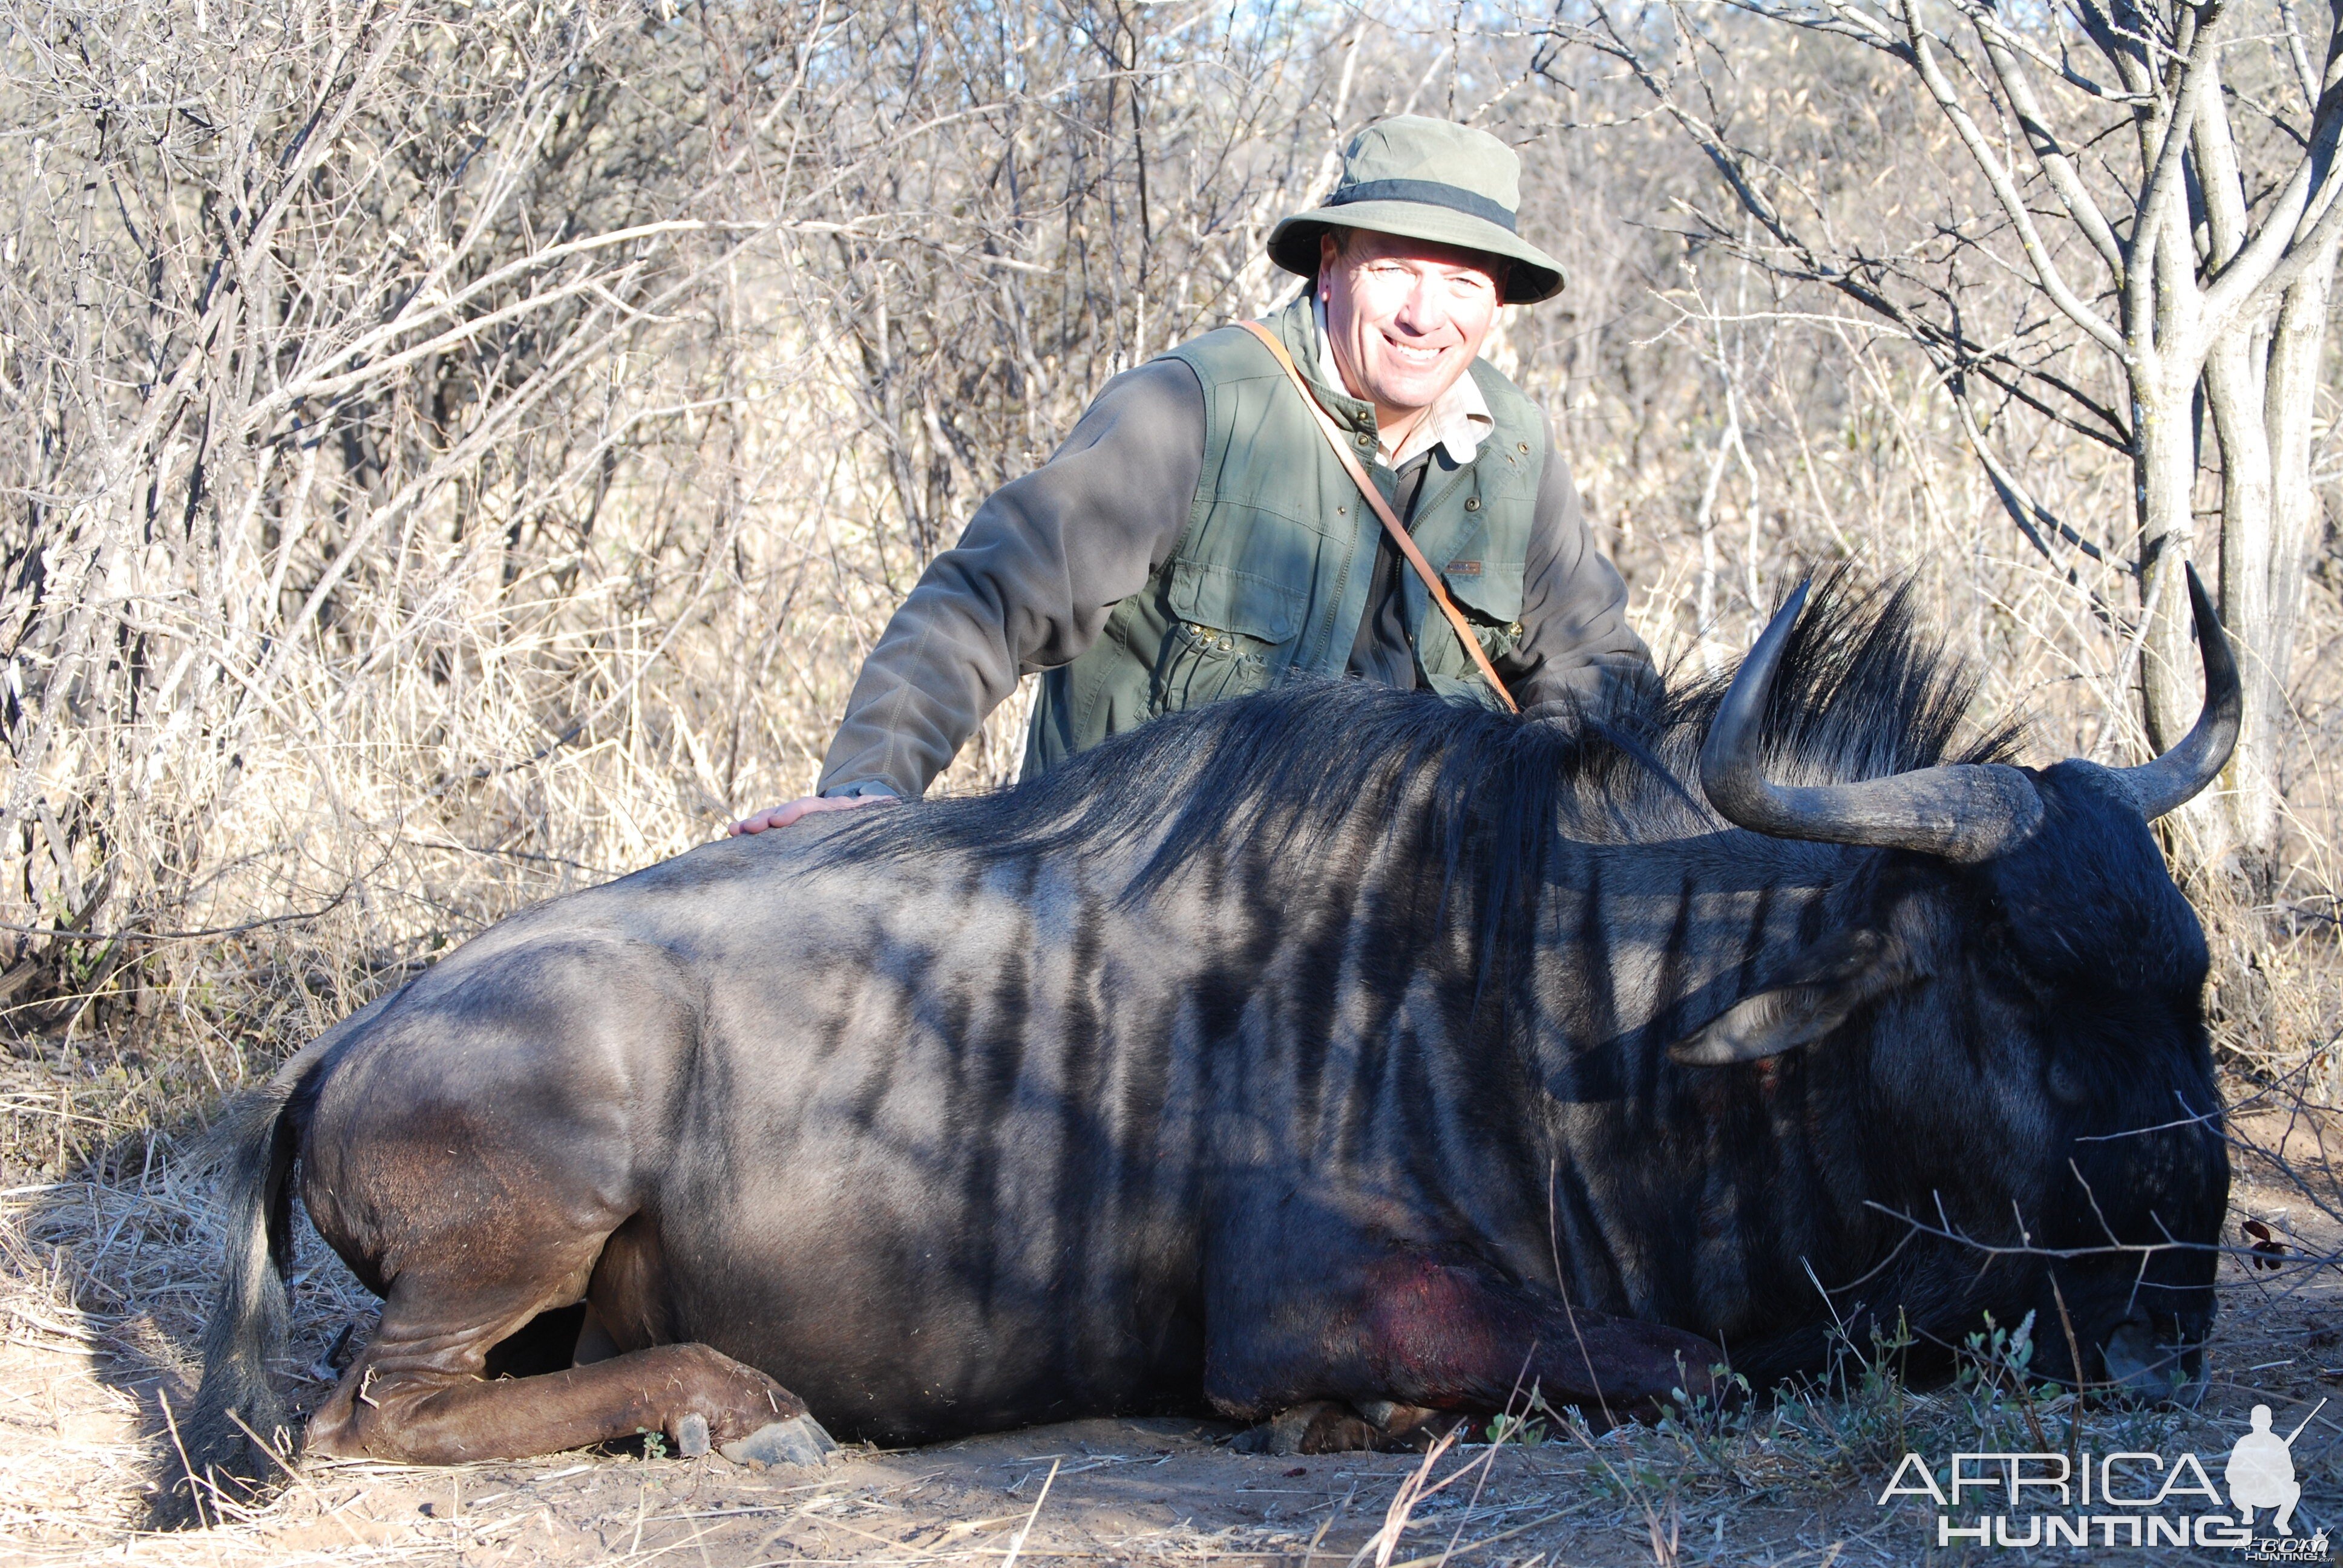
x,y
1533,276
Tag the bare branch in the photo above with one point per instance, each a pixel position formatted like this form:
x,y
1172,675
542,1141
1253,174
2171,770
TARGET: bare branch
x,y
2000,44
1833,18
2295,219
2157,287
2299,221
2304,76
2004,190
2030,516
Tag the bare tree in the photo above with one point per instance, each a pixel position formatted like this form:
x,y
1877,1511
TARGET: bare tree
x,y
451,450
451,453
2176,265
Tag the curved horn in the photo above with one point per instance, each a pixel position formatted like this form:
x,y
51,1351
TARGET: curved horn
x,y
1965,813
2175,777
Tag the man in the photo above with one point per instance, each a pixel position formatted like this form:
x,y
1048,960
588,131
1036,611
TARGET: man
x,y
1196,539
2260,1473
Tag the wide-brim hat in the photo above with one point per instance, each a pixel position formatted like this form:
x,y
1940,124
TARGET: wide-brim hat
x,y
1426,179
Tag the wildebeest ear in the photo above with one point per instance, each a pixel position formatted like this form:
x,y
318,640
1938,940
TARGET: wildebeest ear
x,y
1821,989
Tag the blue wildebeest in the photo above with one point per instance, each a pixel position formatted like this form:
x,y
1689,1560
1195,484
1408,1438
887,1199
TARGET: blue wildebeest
x,y
1338,1051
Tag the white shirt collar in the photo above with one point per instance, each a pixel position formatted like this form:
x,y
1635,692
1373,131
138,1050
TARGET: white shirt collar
x,y
1460,421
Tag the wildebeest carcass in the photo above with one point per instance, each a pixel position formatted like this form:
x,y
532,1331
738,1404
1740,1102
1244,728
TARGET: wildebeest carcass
x,y
1333,1045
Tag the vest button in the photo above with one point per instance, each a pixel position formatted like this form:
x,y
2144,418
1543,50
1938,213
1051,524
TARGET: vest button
x,y
1366,442
1472,503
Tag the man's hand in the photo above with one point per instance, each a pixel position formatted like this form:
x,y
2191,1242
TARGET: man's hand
x,y
782,815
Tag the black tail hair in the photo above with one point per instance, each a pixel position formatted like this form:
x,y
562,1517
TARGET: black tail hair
x,y
212,1452
235,1443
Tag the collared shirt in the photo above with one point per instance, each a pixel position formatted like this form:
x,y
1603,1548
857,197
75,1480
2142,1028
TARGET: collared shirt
x,y
1458,421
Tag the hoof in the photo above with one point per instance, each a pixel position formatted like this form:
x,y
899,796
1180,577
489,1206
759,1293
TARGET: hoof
x,y
1322,1426
798,1442
1410,1429
691,1436
1261,1438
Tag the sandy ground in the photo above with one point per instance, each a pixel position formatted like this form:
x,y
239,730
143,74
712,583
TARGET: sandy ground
x,y
1116,1491
104,1283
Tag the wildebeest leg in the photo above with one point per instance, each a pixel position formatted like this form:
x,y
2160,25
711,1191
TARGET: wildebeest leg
x,y
1331,1426
417,1393
1394,1328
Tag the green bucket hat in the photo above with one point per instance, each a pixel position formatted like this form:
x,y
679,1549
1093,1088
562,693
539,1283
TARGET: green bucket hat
x,y
1426,179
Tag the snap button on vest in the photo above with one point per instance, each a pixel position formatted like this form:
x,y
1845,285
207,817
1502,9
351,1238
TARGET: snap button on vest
x,y
1472,503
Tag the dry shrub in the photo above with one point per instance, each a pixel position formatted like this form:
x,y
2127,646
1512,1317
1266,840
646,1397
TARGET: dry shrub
x,y
458,454
464,454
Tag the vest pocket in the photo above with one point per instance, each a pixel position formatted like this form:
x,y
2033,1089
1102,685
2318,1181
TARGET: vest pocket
x,y
1490,595
1490,591
1204,663
1227,637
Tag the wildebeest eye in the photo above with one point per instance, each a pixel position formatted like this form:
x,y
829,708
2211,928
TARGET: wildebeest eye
x,y
2067,1084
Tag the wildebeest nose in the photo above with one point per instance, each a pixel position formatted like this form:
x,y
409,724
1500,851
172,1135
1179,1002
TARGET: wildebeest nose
x,y
2138,1365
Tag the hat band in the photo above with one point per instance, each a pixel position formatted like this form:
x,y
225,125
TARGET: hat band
x,y
1431,193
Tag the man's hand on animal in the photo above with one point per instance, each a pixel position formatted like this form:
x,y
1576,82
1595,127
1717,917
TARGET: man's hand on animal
x,y
802,806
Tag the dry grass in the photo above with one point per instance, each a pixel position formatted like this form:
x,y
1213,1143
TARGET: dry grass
x,y
302,689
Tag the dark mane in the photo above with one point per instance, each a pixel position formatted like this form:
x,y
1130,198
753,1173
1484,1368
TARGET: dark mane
x,y
1862,694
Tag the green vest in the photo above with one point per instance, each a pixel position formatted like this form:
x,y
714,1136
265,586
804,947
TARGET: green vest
x,y
1271,575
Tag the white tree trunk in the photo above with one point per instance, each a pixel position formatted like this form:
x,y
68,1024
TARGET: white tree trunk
x,y
2297,345
2235,394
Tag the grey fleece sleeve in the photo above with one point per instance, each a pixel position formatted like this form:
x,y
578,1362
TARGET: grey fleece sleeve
x,y
1030,584
1576,645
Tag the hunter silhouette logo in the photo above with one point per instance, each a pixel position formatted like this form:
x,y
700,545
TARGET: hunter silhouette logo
x,y
2260,1472
2120,1499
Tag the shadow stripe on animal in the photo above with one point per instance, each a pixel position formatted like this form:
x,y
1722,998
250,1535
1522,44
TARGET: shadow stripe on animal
x,y
1324,1059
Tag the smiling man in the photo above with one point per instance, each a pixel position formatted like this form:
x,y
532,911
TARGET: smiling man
x,y
1195,539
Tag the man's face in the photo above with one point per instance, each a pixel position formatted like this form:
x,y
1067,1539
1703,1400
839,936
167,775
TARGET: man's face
x,y
1405,317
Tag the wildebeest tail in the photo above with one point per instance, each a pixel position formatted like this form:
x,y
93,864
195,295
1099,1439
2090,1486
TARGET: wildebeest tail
x,y
212,1452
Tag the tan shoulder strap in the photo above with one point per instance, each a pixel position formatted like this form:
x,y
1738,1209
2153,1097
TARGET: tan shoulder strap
x,y
1374,498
